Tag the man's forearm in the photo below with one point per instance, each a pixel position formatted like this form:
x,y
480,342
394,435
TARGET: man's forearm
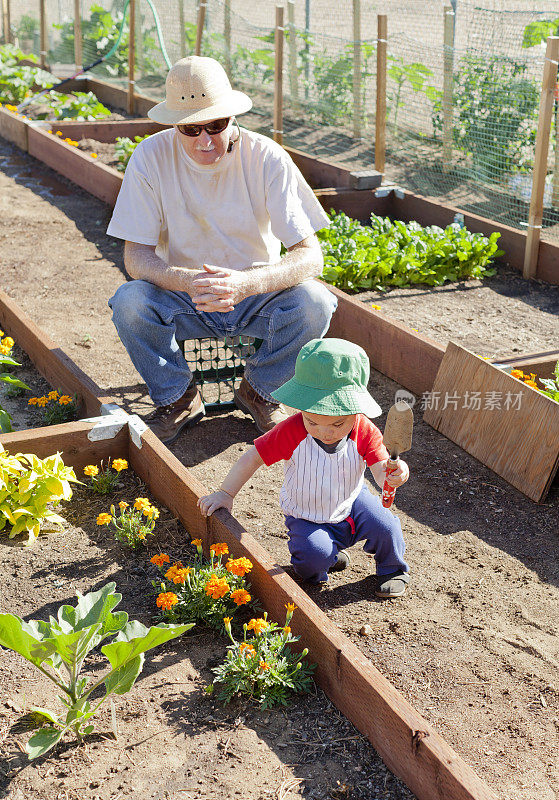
x,y
301,262
142,263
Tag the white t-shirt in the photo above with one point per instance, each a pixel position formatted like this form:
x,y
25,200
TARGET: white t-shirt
x,y
232,214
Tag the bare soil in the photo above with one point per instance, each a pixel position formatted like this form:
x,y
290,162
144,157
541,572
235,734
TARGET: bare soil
x,y
472,645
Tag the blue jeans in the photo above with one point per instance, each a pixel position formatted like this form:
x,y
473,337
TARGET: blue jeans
x,y
149,320
314,546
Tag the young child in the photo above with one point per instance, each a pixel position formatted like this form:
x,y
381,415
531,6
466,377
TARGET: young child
x,y
325,449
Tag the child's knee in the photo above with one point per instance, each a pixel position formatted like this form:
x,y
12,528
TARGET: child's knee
x,y
312,555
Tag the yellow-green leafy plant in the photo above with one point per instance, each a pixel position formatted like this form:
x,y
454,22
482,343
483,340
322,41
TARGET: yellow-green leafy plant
x,y
13,383
57,408
205,591
133,524
105,478
263,667
28,484
58,648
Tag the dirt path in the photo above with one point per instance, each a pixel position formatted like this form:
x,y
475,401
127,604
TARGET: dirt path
x,y
473,645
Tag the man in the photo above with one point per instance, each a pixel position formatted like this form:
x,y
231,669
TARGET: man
x,y
204,208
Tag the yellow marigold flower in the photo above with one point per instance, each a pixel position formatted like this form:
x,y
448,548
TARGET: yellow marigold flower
x,y
8,342
65,400
531,383
246,648
216,587
1,332
91,470
122,505
239,566
119,464
32,401
42,401
150,511
141,502
291,607
219,549
181,574
10,107
93,155
264,666
160,559
257,625
517,373
377,308
166,600
227,621
240,597
286,629
58,133
103,519
53,395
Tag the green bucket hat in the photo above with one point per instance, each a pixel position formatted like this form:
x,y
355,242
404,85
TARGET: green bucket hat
x,y
331,377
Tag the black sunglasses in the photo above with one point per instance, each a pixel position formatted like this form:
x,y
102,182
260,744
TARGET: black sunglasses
x,y
214,127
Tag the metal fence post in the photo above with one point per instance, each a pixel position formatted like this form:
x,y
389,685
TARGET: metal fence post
x,y
380,116
535,216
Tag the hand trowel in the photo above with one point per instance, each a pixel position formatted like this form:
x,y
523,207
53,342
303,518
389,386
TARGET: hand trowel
x,y
397,439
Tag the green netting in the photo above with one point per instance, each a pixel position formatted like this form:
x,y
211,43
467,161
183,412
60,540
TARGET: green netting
x,y
496,61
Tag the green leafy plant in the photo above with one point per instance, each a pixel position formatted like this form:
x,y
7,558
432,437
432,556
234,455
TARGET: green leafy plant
x,y
133,524
59,648
125,147
78,106
206,591
56,408
17,80
14,384
495,114
264,667
28,484
551,384
538,31
393,253
413,75
27,27
105,478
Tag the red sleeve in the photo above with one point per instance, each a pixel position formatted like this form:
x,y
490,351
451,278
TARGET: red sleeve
x,y
368,439
280,443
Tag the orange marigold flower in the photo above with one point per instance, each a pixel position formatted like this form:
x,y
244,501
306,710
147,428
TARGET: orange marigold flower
x,y
517,373
286,629
160,559
197,542
264,666
240,597
247,649
32,401
181,574
141,502
42,401
58,133
8,342
91,470
171,572
257,625
239,566
291,607
216,587
166,600
122,505
219,549
119,464
150,511
93,155
103,519
65,400
531,383
53,395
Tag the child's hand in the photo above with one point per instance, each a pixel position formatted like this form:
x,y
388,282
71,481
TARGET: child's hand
x,y
211,502
400,474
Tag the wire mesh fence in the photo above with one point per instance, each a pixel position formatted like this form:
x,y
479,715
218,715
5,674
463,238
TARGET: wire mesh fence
x,y
463,82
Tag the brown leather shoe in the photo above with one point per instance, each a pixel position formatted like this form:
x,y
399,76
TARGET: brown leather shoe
x,y
264,413
168,421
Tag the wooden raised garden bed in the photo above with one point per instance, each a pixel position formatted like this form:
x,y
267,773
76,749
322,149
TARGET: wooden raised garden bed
x,y
408,744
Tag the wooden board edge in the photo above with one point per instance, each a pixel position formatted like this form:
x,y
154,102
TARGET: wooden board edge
x,y
407,742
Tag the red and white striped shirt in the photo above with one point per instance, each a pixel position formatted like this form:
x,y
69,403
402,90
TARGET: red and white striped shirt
x,y
320,486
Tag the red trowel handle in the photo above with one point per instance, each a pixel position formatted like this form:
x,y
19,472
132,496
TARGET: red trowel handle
x,y
388,491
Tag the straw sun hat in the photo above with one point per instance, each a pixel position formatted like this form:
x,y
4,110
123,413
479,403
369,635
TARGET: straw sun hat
x,y
198,90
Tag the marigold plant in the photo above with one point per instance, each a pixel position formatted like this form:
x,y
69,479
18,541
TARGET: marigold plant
x,y
57,408
550,385
105,478
206,591
265,668
132,525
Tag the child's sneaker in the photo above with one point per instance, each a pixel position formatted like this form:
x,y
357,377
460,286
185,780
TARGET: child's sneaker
x,y
392,585
343,561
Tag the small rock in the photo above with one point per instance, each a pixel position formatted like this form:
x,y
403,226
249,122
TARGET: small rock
x,y
366,630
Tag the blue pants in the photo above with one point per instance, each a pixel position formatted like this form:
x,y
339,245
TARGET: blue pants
x,y
314,545
149,320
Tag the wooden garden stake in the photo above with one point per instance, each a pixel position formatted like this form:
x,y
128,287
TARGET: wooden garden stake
x,y
293,74
227,35
131,54
535,215
182,29
555,190
43,33
448,79
380,117
278,77
200,27
357,68
78,56
6,24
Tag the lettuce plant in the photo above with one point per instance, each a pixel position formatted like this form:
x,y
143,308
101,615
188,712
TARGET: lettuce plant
x,y
59,647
